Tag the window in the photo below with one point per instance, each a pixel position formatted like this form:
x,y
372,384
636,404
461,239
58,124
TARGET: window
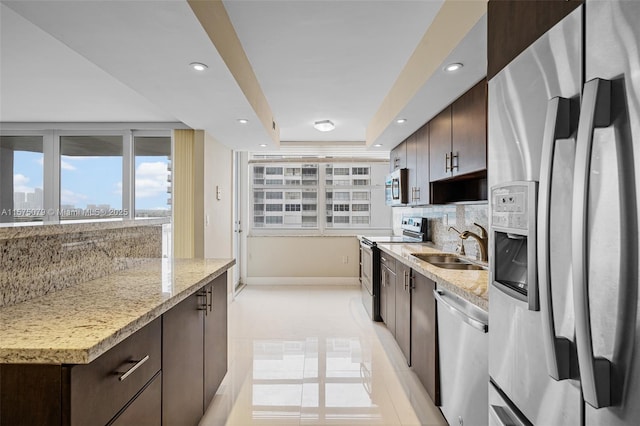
x,y
152,176
104,173
21,179
319,195
91,177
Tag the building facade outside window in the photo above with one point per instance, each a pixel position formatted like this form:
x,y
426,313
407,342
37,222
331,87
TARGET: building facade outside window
x,y
318,196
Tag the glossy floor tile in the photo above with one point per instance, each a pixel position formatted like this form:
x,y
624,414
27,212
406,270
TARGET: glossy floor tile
x,y
310,356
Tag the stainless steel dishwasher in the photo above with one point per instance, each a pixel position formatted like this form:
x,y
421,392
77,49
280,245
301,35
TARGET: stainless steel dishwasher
x,y
463,350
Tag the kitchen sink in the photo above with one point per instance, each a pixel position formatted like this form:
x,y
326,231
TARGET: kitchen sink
x,y
439,258
448,261
460,265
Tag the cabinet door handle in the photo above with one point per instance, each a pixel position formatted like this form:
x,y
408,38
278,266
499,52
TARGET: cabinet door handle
x,y
457,161
134,368
446,162
210,292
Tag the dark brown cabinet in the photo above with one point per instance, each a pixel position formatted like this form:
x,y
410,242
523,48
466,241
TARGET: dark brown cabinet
x,y
194,346
469,131
84,394
398,157
403,309
167,372
424,339
146,409
182,361
513,25
215,338
388,292
422,194
440,146
458,136
417,147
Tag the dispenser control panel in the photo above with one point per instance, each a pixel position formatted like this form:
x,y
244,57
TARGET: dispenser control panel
x,y
513,205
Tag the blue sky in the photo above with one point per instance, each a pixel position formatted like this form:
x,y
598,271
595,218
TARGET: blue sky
x,y
96,180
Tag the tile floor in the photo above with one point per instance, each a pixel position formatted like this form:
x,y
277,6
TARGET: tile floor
x,y
310,356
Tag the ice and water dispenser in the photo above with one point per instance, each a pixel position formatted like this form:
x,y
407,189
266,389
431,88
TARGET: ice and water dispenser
x,y
513,240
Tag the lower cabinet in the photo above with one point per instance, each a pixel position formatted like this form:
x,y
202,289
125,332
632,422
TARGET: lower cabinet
x,y
408,308
182,361
388,292
87,394
194,353
215,338
165,373
403,309
146,409
424,338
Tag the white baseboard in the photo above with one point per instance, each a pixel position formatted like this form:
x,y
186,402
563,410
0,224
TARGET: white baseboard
x,y
303,281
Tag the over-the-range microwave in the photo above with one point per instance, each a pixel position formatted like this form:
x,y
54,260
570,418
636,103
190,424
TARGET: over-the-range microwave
x,y
395,189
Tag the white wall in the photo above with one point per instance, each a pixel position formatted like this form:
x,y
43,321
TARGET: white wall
x,y
303,260
218,214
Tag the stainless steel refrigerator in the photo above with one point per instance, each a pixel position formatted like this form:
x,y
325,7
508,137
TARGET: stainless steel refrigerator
x,y
566,114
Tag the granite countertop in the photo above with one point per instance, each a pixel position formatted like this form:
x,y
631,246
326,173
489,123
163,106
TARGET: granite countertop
x,y
472,285
78,324
10,231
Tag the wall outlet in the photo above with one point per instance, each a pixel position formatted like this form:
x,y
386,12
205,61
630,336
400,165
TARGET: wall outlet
x,y
218,193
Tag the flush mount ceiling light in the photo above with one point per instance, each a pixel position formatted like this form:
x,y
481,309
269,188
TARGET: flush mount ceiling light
x,y
263,145
378,145
243,120
401,120
198,66
453,67
324,125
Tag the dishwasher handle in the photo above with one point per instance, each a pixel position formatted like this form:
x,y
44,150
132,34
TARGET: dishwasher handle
x,y
459,311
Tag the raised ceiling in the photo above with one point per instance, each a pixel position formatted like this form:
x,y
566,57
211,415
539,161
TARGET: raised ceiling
x,y
95,61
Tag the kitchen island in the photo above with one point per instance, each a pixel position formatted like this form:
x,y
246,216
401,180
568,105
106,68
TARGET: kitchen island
x,y
112,349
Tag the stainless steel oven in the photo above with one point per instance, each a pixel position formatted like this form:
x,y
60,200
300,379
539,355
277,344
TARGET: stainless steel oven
x,y
414,229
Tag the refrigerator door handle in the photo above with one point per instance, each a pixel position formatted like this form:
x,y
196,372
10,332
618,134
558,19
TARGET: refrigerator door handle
x,y
595,373
557,126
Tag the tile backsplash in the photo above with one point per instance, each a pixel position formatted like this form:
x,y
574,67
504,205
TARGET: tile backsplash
x,y
41,262
441,217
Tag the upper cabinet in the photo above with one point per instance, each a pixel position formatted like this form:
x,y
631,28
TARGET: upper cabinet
x,y
458,136
447,157
398,157
513,25
421,194
469,131
440,145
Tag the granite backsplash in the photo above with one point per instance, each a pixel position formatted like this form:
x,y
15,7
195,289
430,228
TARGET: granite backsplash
x,y
34,263
441,217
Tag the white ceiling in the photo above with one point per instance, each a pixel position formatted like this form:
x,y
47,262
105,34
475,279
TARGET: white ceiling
x,y
127,61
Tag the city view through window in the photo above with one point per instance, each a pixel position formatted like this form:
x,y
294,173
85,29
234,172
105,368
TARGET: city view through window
x,y
91,176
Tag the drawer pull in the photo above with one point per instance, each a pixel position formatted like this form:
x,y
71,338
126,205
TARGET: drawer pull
x,y
134,368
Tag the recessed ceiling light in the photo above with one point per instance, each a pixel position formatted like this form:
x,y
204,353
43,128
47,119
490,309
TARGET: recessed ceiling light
x,y
378,145
401,120
324,125
198,66
453,67
263,145
243,120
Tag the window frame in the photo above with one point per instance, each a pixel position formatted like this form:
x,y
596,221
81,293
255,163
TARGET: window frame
x,y
323,226
51,134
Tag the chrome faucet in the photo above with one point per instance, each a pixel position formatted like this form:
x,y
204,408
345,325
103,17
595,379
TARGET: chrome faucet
x,y
482,239
460,247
